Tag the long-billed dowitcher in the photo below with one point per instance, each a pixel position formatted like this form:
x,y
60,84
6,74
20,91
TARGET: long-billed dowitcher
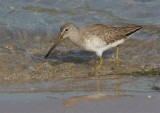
x,y
95,37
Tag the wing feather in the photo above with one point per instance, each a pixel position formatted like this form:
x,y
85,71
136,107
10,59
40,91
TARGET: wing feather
x,y
111,34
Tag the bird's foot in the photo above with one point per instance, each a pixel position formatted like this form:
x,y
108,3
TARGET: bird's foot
x,y
99,64
118,61
115,59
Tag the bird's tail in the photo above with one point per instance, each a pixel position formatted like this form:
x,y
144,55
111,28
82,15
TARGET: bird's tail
x,y
131,30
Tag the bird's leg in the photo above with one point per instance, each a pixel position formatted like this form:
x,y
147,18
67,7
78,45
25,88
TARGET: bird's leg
x,y
118,61
100,62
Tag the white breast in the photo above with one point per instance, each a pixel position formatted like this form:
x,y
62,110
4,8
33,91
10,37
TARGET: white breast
x,y
94,43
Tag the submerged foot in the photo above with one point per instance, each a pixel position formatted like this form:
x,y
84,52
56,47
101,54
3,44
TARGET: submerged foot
x,y
99,64
118,61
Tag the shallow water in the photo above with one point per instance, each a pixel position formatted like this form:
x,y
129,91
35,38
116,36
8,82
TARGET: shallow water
x,y
29,27
106,94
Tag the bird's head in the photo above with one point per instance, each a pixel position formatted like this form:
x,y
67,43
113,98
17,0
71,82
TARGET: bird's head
x,y
65,32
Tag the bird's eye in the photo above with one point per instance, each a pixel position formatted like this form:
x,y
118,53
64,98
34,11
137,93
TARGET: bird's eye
x,y
66,29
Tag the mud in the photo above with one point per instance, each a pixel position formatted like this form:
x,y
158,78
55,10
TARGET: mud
x,y
23,60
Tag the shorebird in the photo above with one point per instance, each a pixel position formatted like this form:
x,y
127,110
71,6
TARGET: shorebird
x,y
95,37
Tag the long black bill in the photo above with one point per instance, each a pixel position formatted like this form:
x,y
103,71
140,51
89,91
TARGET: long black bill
x,y
54,45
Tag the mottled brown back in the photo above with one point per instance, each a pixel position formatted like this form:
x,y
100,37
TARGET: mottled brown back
x,y
111,33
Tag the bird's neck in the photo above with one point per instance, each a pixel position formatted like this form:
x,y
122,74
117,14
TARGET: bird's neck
x,y
76,37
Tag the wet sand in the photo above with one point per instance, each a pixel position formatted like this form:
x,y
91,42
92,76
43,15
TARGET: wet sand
x,y
26,63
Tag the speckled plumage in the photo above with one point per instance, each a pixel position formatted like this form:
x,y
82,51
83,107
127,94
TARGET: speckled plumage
x,y
106,32
110,34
